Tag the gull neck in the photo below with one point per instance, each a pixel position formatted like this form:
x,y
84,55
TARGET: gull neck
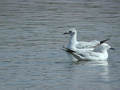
x,y
105,52
72,41
73,38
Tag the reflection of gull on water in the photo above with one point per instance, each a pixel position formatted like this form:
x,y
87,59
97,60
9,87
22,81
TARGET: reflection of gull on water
x,y
81,45
101,63
104,67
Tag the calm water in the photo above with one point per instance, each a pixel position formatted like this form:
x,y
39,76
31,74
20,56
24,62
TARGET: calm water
x,y
31,39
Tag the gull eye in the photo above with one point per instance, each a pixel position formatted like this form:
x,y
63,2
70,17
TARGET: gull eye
x,y
70,31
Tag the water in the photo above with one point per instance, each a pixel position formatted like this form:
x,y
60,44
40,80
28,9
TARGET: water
x,y
31,40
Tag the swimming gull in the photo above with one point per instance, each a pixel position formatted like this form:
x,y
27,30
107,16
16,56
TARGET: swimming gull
x,y
81,45
101,54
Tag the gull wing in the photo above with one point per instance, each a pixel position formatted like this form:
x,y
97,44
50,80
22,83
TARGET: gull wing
x,y
86,45
86,55
92,44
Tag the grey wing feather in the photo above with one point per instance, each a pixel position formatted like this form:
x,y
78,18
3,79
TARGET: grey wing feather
x,y
91,44
88,54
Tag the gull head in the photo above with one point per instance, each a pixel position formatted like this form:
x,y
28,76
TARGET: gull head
x,y
105,46
71,32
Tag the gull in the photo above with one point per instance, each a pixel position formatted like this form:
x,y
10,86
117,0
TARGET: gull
x,y
100,54
81,45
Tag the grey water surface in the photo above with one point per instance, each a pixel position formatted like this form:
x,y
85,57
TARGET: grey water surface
x,y
31,40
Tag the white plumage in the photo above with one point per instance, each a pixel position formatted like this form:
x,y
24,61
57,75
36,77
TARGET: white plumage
x,y
81,45
93,50
101,54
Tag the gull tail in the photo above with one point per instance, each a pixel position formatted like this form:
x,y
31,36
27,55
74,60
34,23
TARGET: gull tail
x,y
68,50
103,41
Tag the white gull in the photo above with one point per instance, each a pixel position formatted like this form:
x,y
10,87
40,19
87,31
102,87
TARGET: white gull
x,y
100,54
81,45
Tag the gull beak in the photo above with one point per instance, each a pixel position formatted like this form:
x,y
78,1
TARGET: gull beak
x,y
112,48
66,33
